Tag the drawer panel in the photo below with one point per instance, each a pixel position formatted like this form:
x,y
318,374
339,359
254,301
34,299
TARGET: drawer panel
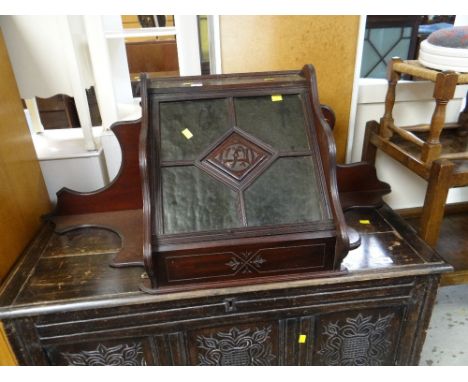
x,y
250,262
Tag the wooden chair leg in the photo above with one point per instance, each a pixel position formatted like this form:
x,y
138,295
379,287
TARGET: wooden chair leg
x,y
369,151
386,122
434,203
444,91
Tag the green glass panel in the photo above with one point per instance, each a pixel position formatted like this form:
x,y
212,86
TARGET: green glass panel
x,y
386,42
399,50
286,193
407,32
193,201
278,123
380,71
189,127
384,38
369,59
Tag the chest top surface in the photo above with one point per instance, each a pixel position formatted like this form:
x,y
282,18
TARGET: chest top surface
x,y
71,271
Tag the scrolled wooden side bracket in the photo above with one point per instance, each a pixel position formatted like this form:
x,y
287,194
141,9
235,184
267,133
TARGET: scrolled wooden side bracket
x,y
118,206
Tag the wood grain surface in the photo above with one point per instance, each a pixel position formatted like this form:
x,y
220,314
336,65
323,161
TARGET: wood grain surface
x,y
23,193
263,43
22,190
7,357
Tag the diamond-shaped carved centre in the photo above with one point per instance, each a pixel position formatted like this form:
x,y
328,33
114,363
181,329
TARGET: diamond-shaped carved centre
x,y
236,156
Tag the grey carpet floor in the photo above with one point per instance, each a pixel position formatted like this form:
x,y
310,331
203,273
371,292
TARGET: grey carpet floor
x,y
447,337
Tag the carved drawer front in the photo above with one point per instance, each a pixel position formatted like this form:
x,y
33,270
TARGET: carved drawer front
x,y
358,338
251,262
125,352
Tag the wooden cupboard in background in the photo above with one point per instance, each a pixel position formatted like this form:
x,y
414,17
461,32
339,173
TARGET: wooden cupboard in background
x,y
23,194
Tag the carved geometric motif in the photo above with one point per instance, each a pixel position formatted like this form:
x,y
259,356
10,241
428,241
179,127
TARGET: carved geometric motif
x,y
236,348
361,341
236,156
120,355
246,262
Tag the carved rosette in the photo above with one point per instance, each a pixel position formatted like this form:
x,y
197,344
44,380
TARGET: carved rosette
x,y
236,348
361,341
120,355
246,262
235,156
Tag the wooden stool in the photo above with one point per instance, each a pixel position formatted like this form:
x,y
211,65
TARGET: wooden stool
x,y
443,165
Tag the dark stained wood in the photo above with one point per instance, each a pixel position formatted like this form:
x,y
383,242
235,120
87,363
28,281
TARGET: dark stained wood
x,y
117,207
58,112
242,178
219,244
128,206
452,244
124,193
146,142
69,307
451,208
328,156
64,305
369,151
126,224
358,186
329,115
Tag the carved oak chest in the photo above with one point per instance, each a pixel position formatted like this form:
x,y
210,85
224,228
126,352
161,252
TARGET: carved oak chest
x,y
228,208
63,305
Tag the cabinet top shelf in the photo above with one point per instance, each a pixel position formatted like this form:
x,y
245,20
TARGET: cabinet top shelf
x,y
141,32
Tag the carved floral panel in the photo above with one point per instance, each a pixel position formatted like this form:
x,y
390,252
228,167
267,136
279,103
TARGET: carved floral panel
x,y
236,348
360,341
119,355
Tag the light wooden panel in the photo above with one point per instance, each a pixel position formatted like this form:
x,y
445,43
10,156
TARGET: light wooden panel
x,y
260,43
7,357
130,21
23,193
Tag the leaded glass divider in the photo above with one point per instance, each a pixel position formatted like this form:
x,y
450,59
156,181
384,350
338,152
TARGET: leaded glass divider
x,y
219,166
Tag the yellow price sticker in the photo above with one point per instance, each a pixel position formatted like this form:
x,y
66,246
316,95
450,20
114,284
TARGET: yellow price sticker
x,y
187,133
364,221
302,338
276,97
